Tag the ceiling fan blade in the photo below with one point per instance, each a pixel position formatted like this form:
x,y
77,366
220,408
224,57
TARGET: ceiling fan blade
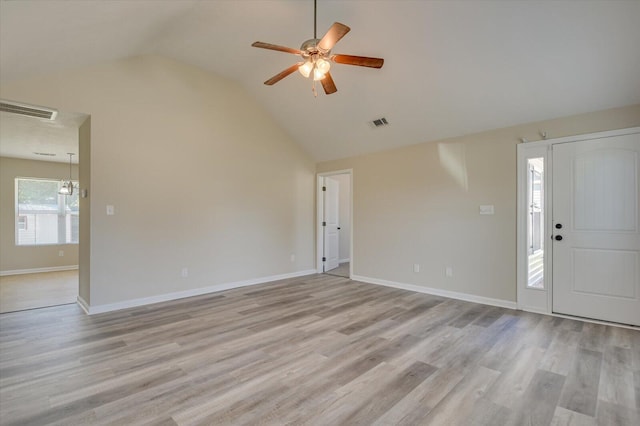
x,y
335,33
270,46
276,78
361,61
328,84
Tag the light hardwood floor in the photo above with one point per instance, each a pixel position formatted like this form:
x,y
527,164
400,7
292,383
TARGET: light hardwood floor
x,y
30,291
340,271
315,350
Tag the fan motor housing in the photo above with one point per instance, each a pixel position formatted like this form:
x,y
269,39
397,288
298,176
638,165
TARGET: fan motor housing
x,y
310,48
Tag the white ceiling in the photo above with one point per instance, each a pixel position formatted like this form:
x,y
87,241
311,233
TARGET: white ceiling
x,y
451,67
24,137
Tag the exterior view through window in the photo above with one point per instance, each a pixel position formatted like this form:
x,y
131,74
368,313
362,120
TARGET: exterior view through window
x,y
535,222
42,215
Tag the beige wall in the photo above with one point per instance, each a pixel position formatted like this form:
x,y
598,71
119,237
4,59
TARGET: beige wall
x,y
15,258
419,204
199,174
84,257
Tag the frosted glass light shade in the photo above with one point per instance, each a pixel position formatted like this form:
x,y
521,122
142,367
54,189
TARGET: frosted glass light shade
x,y
305,69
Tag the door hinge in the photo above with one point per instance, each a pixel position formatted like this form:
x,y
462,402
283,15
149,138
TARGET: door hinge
x,y
324,223
324,259
324,188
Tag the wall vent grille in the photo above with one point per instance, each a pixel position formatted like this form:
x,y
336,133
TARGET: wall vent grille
x,y
380,122
28,110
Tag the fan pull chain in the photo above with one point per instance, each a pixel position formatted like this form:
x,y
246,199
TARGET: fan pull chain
x,y
312,75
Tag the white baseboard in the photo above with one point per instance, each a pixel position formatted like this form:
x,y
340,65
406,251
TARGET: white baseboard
x,y
438,292
38,270
99,309
533,309
83,304
344,260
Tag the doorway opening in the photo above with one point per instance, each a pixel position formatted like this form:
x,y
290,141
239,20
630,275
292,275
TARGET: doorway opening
x,y
334,235
42,228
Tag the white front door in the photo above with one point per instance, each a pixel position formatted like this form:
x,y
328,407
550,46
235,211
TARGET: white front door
x,y
331,215
596,236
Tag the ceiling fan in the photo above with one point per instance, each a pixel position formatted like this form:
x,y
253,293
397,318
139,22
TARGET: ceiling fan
x,y
317,57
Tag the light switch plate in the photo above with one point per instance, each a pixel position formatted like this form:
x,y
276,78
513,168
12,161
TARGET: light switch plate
x,y
111,210
487,209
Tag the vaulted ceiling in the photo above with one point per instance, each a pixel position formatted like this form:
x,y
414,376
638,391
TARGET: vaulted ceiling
x,y
451,67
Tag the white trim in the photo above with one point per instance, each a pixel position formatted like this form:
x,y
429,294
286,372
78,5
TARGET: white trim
x,y
320,213
38,270
438,292
83,304
344,260
99,309
319,230
547,261
532,298
583,319
533,309
585,137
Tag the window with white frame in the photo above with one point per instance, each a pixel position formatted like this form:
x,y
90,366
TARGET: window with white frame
x,y
22,223
42,215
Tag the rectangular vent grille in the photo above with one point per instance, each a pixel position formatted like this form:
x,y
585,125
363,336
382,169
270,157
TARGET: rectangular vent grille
x,y
28,110
380,122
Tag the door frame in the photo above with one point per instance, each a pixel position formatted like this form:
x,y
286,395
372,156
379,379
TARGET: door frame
x,y
530,299
320,214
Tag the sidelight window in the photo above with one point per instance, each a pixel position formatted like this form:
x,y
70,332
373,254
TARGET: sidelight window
x,y
535,222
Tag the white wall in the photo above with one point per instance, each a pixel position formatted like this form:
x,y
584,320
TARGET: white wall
x,y
344,219
200,177
419,204
18,258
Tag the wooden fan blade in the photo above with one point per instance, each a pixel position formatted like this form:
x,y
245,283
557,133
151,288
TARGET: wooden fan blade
x,y
335,33
361,61
276,78
328,84
276,47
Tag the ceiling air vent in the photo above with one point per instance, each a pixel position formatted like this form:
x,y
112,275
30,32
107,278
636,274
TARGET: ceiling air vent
x,y
380,122
28,110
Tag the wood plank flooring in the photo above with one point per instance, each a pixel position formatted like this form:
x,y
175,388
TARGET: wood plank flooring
x,y
341,271
317,350
31,291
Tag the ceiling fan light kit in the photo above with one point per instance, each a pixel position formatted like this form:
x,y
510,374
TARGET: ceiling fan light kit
x,y
316,57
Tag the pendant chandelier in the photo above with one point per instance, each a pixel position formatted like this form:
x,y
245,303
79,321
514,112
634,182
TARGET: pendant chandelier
x,y
67,186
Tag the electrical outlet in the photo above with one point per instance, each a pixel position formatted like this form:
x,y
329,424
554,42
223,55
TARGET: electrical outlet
x,y
184,272
416,267
488,209
293,258
60,253
449,271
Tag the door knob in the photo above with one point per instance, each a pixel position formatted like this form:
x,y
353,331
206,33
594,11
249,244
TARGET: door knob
x,y
558,226
558,237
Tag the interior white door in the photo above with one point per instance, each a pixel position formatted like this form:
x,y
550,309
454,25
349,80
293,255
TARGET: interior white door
x,y
596,240
331,216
